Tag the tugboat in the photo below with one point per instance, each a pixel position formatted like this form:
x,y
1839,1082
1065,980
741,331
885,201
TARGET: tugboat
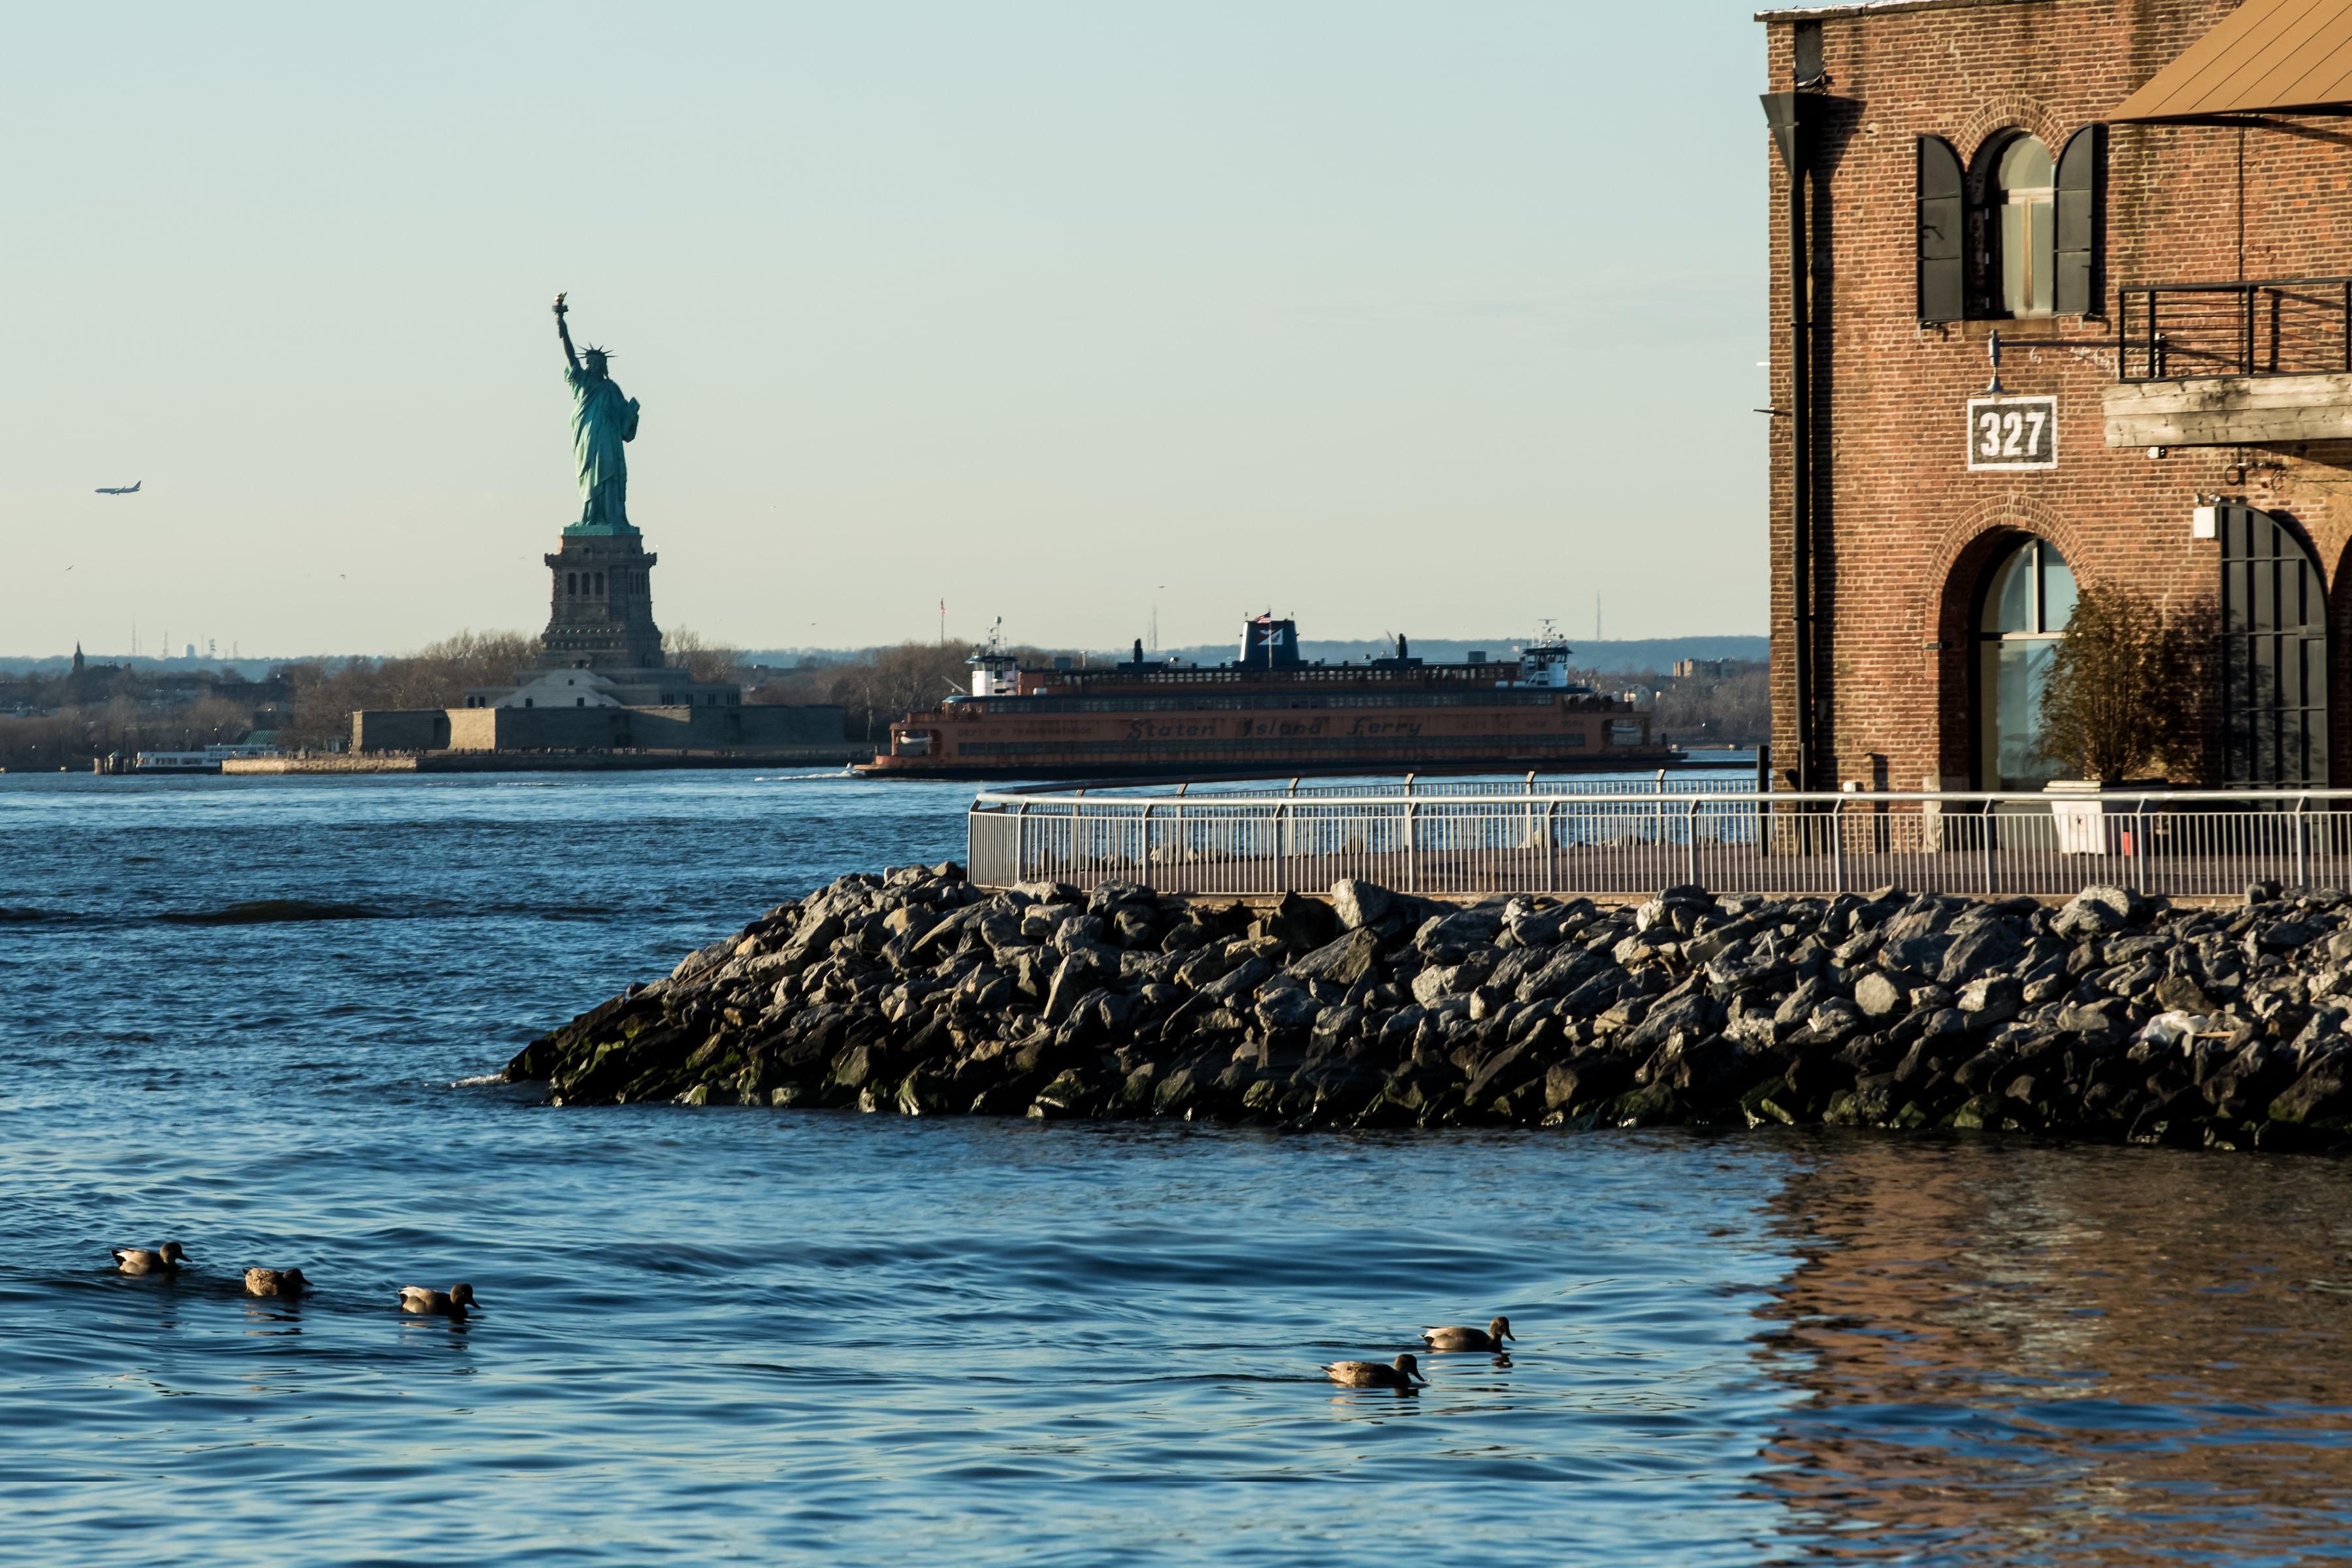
x,y
1271,712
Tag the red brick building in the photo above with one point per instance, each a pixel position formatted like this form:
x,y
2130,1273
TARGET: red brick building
x,y
2150,203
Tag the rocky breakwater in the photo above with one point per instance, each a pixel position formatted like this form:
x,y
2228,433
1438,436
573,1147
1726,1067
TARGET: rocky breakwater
x,y
2111,1018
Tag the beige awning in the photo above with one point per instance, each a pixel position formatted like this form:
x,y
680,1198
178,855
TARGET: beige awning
x,y
2265,54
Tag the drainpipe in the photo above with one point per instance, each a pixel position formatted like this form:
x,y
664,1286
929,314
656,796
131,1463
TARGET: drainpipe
x,y
1787,113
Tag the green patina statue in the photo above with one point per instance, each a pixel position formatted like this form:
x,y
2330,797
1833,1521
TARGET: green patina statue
x,y
603,419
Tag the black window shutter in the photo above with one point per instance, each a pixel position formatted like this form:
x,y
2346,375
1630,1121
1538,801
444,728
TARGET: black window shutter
x,y
2082,181
1943,213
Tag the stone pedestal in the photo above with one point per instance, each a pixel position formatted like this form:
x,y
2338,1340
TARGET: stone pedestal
x,y
603,616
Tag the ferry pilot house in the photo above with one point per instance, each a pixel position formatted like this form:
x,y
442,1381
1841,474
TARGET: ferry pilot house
x,y
2062,296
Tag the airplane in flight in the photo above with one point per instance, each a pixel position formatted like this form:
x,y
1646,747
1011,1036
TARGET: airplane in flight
x,y
119,489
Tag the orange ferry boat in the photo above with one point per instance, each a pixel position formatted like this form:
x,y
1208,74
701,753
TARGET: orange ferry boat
x,y
1271,712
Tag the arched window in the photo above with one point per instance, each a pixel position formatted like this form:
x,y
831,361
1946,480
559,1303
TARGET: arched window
x,y
2024,220
2029,598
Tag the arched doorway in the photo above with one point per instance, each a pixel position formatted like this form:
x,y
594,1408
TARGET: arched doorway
x,y
2028,598
2273,653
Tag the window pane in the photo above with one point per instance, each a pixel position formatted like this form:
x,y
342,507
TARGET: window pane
x,y
2020,668
2042,253
2024,166
2013,297
2009,607
2057,591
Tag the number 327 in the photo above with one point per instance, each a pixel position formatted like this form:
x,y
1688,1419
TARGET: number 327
x,y
2012,433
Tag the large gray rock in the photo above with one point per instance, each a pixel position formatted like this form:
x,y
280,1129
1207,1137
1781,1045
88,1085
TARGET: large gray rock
x,y
1463,927
1878,996
1432,983
1992,945
1834,1020
1343,961
1798,1006
1254,971
1075,977
1692,1012
2095,911
2323,1094
1563,973
1995,999
1360,903
1286,1008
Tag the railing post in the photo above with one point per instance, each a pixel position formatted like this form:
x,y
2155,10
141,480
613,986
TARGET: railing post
x,y
1837,844
2139,847
2302,878
1411,851
1690,841
1551,846
1020,842
1282,845
1984,831
1143,848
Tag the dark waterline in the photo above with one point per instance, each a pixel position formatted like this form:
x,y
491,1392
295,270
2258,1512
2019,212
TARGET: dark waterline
x,y
731,1334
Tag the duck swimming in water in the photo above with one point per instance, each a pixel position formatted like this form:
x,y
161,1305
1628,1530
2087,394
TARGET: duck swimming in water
x,y
275,1282
1400,1373
165,1259
1455,1337
450,1303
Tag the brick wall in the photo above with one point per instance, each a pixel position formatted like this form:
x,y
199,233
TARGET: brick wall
x,y
1904,530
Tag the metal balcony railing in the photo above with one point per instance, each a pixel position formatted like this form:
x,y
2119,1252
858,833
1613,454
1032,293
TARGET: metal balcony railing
x,y
2291,326
2176,843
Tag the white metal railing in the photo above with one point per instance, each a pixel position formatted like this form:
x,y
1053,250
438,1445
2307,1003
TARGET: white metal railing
x,y
2180,843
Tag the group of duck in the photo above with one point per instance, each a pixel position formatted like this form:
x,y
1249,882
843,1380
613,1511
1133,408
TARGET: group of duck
x,y
1404,1373
171,1257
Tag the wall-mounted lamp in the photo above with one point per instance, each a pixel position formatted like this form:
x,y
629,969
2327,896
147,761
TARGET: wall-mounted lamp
x,y
2156,452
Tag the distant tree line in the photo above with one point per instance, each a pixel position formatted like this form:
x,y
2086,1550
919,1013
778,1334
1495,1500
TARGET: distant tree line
x,y
64,719
1728,705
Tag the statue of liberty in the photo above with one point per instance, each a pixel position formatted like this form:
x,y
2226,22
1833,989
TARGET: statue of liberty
x,y
603,419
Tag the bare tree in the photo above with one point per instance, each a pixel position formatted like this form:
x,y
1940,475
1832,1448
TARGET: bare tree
x,y
705,660
2112,702
326,694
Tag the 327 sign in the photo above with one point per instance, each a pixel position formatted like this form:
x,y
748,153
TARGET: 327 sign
x,y
2012,432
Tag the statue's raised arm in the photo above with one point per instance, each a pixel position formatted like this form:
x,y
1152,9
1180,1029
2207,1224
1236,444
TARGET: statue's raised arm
x,y
564,331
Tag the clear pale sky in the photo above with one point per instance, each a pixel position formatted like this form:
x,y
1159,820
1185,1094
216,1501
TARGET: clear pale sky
x,y
1434,318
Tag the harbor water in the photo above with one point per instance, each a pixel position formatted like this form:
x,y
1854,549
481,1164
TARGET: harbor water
x,y
263,1017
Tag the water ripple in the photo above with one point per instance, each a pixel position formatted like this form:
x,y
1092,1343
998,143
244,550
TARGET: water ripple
x,y
737,1336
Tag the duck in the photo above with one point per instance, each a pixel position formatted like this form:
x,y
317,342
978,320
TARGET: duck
x,y
450,1303
165,1259
275,1282
1400,1373
1456,1337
